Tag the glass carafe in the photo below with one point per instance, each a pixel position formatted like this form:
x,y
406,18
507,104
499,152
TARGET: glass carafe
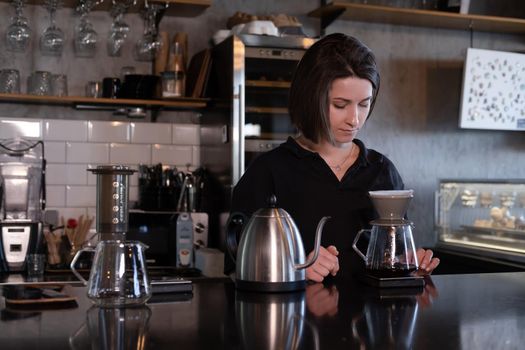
x,y
391,251
118,276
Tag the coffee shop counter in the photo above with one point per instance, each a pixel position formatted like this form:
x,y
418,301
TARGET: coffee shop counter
x,y
473,311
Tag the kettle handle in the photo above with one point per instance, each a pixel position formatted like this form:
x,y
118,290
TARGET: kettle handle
x,y
234,227
354,245
74,261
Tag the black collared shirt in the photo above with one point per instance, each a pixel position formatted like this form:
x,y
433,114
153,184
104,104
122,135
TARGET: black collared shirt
x,y
307,189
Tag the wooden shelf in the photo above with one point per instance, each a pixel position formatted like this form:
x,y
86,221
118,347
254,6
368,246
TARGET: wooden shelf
x,y
178,8
110,103
416,17
268,84
267,110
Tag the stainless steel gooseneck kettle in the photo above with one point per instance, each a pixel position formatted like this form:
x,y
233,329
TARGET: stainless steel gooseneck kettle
x,y
270,255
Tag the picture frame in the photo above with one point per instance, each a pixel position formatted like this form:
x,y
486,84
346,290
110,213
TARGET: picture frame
x,y
493,90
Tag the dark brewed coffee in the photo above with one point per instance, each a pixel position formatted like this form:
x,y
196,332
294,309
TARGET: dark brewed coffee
x,y
398,270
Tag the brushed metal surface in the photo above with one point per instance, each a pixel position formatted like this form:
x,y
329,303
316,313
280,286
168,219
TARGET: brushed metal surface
x,y
269,251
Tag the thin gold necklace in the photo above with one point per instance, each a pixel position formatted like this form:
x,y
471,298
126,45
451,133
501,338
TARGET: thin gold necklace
x,y
338,166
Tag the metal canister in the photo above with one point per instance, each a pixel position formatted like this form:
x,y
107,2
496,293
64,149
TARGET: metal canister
x,y
112,198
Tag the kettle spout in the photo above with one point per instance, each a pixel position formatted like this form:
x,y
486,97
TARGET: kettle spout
x,y
317,245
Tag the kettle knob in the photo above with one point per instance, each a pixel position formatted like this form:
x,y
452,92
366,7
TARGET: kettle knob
x,y
272,201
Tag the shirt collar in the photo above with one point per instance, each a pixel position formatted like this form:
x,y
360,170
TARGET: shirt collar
x,y
301,152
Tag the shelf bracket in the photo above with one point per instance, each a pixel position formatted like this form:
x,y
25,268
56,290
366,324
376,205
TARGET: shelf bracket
x,y
330,16
154,114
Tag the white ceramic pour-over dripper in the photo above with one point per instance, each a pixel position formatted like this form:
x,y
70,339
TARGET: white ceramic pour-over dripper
x,y
391,205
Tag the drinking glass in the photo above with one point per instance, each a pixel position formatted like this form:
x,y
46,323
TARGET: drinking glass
x,y
52,39
36,264
9,81
39,83
147,47
59,85
119,29
94,89
18,34
126,70
85,41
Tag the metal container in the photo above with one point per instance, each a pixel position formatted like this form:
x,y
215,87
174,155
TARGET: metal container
x,y
112,198
270,256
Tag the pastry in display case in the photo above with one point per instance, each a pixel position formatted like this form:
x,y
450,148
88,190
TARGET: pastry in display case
x,y
484,217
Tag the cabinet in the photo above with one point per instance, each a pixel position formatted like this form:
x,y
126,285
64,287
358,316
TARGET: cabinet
x,y
416,17
253,73
180,8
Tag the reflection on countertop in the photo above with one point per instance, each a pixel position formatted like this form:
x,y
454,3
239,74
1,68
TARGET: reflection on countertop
x,y
452,311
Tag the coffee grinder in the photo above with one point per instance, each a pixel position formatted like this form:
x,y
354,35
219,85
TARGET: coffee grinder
x,y
22,201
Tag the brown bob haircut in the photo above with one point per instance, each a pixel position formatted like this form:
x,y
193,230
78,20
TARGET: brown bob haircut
x,y
335,56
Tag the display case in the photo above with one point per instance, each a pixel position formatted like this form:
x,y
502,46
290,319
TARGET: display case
x,y
485,218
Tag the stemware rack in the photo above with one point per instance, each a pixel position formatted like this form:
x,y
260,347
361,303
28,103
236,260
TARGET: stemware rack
x,y
179,8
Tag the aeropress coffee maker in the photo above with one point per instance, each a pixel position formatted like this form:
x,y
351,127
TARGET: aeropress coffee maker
x,y
118,276
390,259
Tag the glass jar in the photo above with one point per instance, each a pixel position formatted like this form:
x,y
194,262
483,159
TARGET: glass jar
x,y
9,81
172,84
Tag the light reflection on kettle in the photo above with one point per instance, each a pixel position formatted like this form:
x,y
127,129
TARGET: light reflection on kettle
x,y
273,321
113,328
387,322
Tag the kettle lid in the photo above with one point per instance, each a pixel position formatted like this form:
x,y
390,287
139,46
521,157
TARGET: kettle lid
x,y
271,211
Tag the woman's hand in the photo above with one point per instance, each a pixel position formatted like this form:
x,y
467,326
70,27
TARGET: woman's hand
x,y
321,300
429,294
326,263
427,263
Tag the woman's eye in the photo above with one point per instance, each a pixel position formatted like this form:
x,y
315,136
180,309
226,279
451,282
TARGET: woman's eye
x,y
364,105
340,106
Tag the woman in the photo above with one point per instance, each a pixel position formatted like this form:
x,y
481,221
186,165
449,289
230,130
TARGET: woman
x,y
325,170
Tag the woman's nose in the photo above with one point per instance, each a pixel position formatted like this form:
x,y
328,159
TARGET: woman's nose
x,y
352,117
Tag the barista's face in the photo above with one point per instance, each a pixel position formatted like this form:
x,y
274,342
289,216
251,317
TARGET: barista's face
x,y
349,101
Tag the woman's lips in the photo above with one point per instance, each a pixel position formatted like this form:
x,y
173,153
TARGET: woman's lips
x,y
351,131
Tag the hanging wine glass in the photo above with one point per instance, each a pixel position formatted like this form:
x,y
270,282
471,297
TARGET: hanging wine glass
x,y
85,40
147,47
52,39
18,34
119,29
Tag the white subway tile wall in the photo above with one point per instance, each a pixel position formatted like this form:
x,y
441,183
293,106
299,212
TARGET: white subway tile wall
x,y
165,154
73,146
29,129
151,133
83,152
65,130
108,131
121,153
185,134
55,151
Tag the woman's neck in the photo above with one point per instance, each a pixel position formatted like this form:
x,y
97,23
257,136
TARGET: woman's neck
x,y
325,148
338,157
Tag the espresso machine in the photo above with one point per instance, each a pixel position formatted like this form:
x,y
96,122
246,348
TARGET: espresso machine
x,y
22,201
